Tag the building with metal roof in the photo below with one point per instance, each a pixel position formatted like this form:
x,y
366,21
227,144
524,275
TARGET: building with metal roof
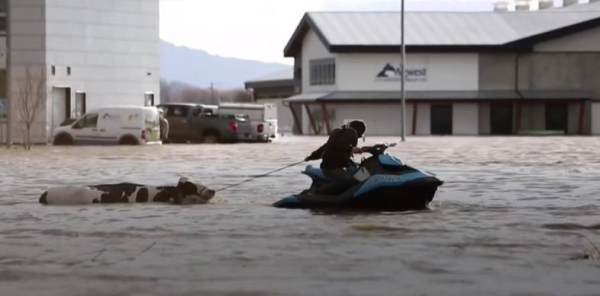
x,y
481,73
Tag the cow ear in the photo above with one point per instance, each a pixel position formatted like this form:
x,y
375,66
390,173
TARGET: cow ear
x,y
186,188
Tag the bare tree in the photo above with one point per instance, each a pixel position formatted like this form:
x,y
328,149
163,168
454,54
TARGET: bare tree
x,y
30,98
180,92
165,91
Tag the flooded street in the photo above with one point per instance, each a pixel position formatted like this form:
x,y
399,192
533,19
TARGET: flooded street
x,y
508,221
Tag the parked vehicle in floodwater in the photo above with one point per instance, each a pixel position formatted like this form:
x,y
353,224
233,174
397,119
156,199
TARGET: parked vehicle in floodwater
x,y
124,125
263,118
190,122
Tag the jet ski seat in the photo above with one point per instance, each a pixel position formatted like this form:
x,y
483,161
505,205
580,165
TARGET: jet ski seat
x,y
316,172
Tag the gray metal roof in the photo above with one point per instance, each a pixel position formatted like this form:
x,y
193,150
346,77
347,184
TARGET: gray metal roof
x,y
442,28
279,75
378,96
580,7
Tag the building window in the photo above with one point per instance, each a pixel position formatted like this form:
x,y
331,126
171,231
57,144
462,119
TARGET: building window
x,y
53,70
322,72
177,111
80,104
69,71
149,99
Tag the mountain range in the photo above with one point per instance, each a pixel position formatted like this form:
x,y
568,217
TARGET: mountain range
x,y
198,68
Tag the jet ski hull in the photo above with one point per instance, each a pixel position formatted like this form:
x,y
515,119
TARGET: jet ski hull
x,y
387,185
372,194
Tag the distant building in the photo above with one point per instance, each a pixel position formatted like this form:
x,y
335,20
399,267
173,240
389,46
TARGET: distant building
x,y
273,89
486,73
95,53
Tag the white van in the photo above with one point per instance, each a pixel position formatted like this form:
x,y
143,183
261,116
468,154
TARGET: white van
x,y
124,125
263,118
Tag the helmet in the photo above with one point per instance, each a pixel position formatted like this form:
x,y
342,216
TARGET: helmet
x,y
359,126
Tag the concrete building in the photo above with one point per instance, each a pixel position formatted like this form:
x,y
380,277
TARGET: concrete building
x,y
94,53
486,73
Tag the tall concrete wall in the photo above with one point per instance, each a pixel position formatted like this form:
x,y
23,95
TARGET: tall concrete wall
x,y
108,50
110,47
596,115
28,32
579,71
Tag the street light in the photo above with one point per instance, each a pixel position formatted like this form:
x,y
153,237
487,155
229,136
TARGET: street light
x,y
402,75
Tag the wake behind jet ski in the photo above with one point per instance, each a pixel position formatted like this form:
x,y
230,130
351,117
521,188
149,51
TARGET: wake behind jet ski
x,y
383,182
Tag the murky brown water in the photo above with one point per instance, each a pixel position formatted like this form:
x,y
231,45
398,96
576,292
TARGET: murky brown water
x,y
512,214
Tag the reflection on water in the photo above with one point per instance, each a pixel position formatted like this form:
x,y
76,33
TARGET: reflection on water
x,y
509,220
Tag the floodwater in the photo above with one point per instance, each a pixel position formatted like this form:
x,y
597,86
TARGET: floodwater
x,y
516,216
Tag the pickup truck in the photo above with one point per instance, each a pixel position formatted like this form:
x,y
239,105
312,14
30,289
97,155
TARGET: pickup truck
x,y
190,122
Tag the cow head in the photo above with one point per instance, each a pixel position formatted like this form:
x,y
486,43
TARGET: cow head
x,y
190,192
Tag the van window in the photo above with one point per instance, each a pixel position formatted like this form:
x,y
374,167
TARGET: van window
x,y
199,111
88,121
177,111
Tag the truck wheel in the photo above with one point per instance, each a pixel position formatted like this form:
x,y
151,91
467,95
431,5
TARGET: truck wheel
x,y
128,140
210,138
62,140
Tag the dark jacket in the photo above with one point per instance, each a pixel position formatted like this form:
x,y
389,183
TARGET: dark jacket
x,y
337,152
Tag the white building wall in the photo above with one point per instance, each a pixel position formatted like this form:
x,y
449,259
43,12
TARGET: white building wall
x,y
27,43
2,52
586,41
358,72
465,118
574,113
595,118
385,119
381,119
484,119
423,119
313,48
111,47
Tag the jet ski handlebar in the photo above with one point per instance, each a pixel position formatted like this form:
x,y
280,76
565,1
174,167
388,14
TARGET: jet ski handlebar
x,y
378,149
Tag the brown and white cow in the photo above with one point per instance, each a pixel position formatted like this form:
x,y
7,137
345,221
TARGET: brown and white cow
x,y
185,192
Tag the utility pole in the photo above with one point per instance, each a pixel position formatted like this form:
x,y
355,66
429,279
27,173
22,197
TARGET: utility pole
x,y
402,75
212,98
9,125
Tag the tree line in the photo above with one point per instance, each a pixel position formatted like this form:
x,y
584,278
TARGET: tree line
x,y
177,92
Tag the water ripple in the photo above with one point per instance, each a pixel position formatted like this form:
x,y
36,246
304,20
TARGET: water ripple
x,y
512,215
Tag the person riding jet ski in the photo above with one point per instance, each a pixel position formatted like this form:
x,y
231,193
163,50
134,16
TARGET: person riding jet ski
x,y
337,152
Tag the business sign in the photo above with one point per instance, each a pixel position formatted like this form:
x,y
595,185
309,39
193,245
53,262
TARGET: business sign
x,y
391,73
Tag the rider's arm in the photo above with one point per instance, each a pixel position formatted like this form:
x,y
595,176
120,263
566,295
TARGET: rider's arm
x,y
316,154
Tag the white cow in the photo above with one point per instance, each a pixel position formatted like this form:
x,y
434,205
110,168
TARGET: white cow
x,y
185,192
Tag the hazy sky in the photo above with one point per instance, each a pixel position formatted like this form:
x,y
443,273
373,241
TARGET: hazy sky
x,y
260,29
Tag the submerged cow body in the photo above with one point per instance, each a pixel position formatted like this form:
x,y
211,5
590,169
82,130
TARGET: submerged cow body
x,y
185,192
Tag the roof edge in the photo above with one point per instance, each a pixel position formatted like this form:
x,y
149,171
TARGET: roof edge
x,y
557,33
521,45
295,42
